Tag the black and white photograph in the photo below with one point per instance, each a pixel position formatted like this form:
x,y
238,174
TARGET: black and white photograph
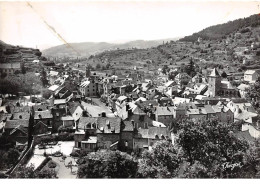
x,y
110,89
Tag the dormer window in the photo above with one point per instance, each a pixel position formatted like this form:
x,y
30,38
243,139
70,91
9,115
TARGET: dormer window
x,y
156,137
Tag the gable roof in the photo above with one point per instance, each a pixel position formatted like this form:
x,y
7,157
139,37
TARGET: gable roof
x,y
21,128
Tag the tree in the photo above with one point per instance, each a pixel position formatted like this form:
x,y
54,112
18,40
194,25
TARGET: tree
x,y
107,164
213,147
30,173
253,94
46,93
190,70
163,161
44,77
224,74
98,66
23,70
88,73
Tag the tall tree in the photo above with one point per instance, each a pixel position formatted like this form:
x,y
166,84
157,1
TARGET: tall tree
x,y
44,77
190,70
107,164
214,150
163,161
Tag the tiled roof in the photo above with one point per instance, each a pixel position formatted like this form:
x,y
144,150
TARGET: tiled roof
x,y
21,115
21,128
159,131
11,124
43,114
164,111
83,121
108,125
209,109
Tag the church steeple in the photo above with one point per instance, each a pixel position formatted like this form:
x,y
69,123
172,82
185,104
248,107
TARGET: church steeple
x,y
214,83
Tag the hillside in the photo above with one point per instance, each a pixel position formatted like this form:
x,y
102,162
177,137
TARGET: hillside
x,y
85,49
222,30
238,50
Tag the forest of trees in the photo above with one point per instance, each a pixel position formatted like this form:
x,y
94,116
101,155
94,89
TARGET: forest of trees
x,y
222,30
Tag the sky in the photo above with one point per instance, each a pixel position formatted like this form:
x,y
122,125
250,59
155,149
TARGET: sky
x,y
49,23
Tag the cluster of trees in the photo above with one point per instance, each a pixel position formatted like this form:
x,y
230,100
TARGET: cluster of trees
x,y
222,30
27,83
205,149
8,158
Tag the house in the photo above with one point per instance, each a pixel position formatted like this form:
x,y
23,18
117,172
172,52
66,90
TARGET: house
x,y
67,121
85,134
104,133
164,115
88,88
17,130
251,76
75,109
223,113
43,121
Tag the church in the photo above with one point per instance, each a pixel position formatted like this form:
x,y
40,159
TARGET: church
x,y
218,87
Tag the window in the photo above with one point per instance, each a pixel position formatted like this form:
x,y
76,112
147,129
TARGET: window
x,y
79,144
